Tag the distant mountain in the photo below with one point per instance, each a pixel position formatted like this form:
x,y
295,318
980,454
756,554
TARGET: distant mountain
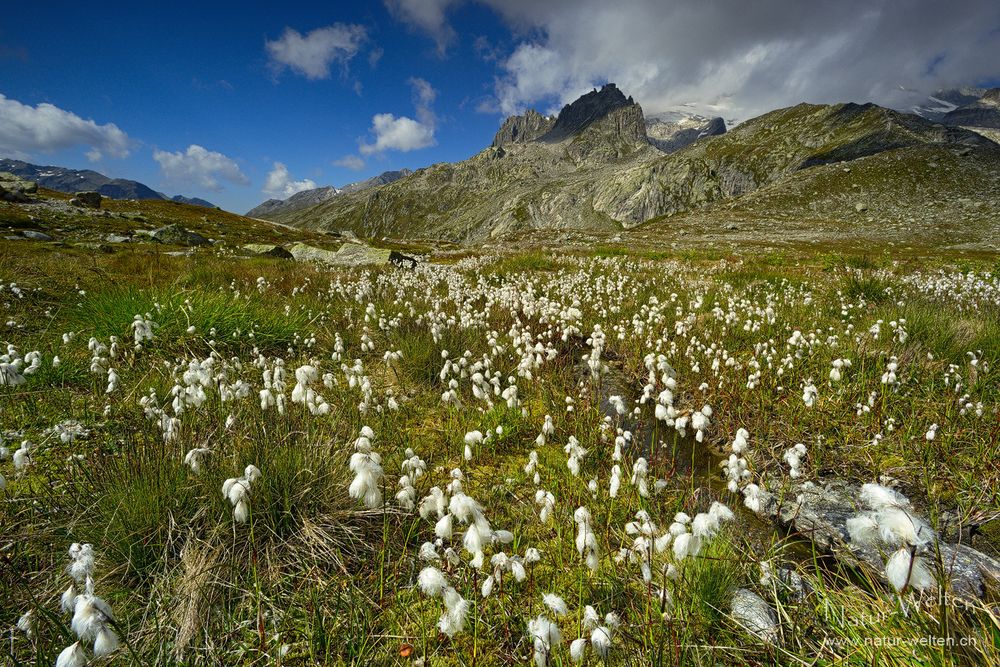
x,y
943,101
672,132
194,201
981,112
66,180
384,178
595,168
307,198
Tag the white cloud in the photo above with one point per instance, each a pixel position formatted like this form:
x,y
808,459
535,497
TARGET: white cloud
x,y
427,16
312,54
737,58
403,133
352,162
279,183
200,167
25,129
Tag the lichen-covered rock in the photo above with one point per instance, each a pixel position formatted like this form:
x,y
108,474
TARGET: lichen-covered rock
x,y
175,234
820,512
88,199
754,615
268,250
16,189
349,254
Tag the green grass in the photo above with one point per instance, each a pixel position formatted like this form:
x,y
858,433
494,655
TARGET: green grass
x,y
335,583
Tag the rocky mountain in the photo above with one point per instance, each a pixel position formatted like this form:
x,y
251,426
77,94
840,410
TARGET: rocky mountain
x,y
595,170
522,129
982,112
943,101
510,186
591,108
775,149
62,179
273,208
672,132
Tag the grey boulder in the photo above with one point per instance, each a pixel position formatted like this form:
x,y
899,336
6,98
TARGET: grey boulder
x,y
88,199
177,235
268,250
820,512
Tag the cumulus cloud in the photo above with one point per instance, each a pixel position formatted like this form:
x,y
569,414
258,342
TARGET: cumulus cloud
x,y
25,129
737,58
312,54
352,162
279,183
403,133
427,16
200,167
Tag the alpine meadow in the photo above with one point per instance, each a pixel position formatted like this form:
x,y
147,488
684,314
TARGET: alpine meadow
x,y
690,364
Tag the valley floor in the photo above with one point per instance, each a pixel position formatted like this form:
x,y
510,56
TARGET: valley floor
x,y
492,459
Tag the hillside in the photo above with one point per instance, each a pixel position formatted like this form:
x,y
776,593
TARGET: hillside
x,y
273,208
514,185
62,179
128,223
597,173
767,149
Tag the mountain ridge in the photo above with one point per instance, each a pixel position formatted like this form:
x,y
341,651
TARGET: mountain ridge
x,y
606,176
64,179
315,196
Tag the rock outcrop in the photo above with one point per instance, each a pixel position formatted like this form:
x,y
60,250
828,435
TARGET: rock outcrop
x,y
588,109
16,189
820,513
349,254
86,199
177,235
268,250
522,129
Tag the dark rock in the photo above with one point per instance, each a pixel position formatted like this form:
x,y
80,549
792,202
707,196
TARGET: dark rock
x,y
820,513
88,199
35,235
595,105
268,250
177,235
402,261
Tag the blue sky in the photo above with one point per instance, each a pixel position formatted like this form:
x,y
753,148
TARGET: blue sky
x,y
236,102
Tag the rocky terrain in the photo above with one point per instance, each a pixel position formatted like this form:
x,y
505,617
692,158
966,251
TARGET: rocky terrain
x,y
806,172
66,180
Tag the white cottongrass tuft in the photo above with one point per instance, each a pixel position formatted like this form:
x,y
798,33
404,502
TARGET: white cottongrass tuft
x,y
367,468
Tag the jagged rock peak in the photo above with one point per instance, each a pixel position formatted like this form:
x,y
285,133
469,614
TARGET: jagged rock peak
x,y
522,129
586,110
